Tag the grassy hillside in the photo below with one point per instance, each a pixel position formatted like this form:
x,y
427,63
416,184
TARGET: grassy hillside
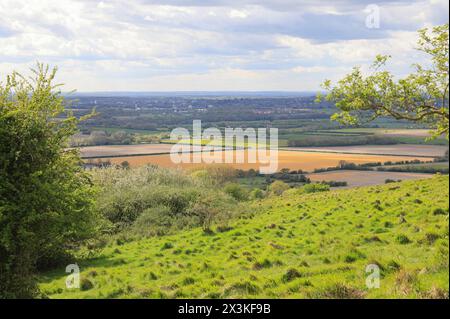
x,y
294,246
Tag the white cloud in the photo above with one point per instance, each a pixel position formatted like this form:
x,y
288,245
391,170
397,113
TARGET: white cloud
x,y
174,45
238,14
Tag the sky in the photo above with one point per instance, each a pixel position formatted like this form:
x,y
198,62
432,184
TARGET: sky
x,y
210,45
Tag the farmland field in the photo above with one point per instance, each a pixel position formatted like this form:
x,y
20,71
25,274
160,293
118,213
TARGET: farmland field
x,y
364,178
309,246
391,131
117,150
306,161
397,149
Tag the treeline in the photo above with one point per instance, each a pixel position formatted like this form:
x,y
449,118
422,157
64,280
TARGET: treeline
x,y
398,166
111,138
328,140
285,174
416,169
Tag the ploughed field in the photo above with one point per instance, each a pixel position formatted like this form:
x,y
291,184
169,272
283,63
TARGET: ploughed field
x,y
397,149
293,246
294,160
364,178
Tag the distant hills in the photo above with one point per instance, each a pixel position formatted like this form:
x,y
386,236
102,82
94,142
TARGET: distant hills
x,y
196,93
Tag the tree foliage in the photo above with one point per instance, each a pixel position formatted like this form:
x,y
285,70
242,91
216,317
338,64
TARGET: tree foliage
x,y
45,197
422,96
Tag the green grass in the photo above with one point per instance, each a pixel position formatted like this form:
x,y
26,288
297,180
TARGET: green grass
x,y
307,246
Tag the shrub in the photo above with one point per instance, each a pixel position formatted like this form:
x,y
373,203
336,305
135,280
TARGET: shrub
x,y
256,194
45,195
277,188
315,187
210,208
439,211
155,201
167,245
86,284
153,221
236,191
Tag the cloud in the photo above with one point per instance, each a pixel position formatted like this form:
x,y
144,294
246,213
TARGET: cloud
x,y
175,44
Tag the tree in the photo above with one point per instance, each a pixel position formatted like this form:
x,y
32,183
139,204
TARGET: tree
x,y
236,191
278,188
125,165
421,97
45,195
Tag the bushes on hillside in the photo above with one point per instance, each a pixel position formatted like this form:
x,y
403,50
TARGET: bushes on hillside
x,y
256,193
236,191
153,201
277,188
315,188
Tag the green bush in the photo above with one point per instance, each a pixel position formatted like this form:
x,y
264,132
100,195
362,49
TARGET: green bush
x,y
45,196
315,187
277,188
236,191
86,284
153,221
256,193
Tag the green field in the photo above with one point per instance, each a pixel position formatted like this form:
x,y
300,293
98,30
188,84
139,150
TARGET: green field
x,y
357,136
294,246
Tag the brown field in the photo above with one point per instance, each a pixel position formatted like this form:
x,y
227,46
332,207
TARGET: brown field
x,y
398,149
407,132
364,178
306,161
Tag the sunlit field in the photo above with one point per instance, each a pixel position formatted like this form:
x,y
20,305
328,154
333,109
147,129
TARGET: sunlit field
x,y
306,161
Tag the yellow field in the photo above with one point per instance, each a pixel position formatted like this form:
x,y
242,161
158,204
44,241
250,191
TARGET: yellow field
x,y
306,161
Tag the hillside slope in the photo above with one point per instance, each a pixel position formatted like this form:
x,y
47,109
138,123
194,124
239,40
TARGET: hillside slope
x,y
309,246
